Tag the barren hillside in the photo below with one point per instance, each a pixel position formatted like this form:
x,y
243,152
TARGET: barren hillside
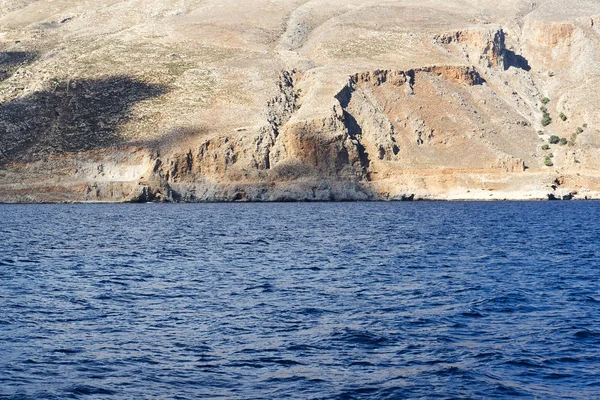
x,y
263,100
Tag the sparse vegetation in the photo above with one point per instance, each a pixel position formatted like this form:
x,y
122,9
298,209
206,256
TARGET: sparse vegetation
x,y
554,139
579,129
573,139
584,125
387,72
548,162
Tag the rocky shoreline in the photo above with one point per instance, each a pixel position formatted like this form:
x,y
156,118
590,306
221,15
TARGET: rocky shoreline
x,y
362,100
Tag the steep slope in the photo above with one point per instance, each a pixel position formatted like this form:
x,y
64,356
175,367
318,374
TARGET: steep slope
x,y
260,100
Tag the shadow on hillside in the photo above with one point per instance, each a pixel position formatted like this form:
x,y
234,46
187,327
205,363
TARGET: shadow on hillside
x,y
11,60
511,59
79,115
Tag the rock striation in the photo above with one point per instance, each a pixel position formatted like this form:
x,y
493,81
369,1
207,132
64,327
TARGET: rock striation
x,y
212,100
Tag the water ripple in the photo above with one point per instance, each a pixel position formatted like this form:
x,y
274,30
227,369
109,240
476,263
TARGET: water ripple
x,y
301,301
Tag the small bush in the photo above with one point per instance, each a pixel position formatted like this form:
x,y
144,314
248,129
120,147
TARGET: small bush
x,y
546,119
563,141
546,147
571,143
545,100
563,116
550,155
543,109
585,125
553,139
548,162
540,132
579,130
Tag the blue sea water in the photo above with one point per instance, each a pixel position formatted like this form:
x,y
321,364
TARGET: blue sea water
x,y
307,301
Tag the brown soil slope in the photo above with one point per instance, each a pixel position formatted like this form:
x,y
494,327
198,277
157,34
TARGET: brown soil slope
x,y
264,100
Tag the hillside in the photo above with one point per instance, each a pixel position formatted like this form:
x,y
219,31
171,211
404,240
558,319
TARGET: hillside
x,y
274,100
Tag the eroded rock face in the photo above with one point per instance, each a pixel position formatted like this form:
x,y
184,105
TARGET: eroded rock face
x,y
358,100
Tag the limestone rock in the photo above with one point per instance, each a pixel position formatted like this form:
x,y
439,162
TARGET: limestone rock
x,y
209,100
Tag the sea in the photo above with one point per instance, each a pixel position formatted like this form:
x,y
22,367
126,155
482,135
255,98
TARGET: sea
x,y
415,300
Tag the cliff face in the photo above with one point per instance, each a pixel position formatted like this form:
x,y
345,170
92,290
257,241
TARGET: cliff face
x,y
260,100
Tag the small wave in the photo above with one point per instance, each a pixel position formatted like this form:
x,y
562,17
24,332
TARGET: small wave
x,y
361,337
472,314
586,334
244,364
251,242
198,349
313,268
362,364
143,360
524,363
113,282
293,379
255,351
509,298
452,371
86,390
279,361
265,287
67,351
509,391
313,311
301,347
556,375
357,393
568,360
591,299
487,354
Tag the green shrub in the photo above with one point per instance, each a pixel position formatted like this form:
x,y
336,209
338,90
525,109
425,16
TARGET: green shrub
x,y
546,119
546,147
550,155
545,100
571,143
553,139
563,116
548,162
543,109
563,141
579,130
585,125
540,132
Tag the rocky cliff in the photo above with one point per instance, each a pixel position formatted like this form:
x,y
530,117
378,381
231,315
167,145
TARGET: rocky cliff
x,y
264,100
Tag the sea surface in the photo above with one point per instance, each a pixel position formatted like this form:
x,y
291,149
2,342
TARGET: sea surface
x,y
300,300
